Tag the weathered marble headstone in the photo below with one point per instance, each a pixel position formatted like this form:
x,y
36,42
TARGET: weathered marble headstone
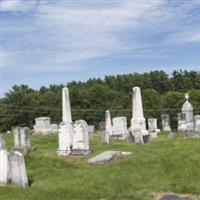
x,y
2,141
65,138
152,127
80,144
166,123
91,131
119,128
138,138
182,122
188,110
108,123
197,123
105,137
4,167
54,128
17,167
22,140
42,126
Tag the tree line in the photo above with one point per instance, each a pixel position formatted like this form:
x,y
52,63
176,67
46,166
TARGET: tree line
x,y
162,93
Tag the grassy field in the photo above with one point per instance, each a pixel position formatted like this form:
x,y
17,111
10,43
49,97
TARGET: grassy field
x,y
165,165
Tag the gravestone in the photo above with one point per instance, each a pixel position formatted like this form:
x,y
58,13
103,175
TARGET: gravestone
x,y
138,138
197,123
54,128
119,128
2,141
91,131
22,140
65,138
166,123
106,157
108,123
17,167
182,122
152,127
4,167
42,126
80,144
188,110
105,137
137,112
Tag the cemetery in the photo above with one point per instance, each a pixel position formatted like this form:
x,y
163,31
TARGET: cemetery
x,y
117,162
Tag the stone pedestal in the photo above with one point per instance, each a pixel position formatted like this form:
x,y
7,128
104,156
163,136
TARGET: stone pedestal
x,y
4,167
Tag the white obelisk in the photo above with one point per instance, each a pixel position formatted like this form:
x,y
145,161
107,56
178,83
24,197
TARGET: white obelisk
x,y
66,109
108,123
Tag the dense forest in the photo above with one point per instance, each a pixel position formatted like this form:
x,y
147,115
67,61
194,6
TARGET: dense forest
x,y
161,93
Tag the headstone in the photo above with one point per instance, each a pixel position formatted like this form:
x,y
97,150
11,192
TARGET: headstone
x,y
197,123
80,144
105,137
22,140
4,167
65,138
66,109
138,138
166,123
54,128
17,169
108,123
2,141
42,126
182,122
119,128
188,110
152,127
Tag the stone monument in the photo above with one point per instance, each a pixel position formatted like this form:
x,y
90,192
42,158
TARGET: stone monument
x,y
119,128
2,141
166,123
108,123
4,167
187,109
152,127
197,123
182,122
43,126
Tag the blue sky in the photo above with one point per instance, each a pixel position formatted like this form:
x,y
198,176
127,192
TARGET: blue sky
x,y
56,41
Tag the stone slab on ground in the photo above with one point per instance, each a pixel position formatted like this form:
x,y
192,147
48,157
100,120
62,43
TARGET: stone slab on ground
x,y
107,157
173,196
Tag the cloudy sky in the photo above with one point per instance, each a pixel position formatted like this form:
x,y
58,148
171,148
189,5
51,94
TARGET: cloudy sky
x,y
56,41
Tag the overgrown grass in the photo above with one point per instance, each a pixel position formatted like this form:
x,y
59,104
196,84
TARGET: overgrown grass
x,y
165,165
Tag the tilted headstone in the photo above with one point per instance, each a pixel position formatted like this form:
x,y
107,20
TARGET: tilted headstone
x,y
65,138
4,167
166,123
42,126
119,128
17,167
138,121
2,141
80,144
188,110
182,122
197,123
22,139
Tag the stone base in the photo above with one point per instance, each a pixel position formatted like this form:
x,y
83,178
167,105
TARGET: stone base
x,y
120,136
63,153
80,152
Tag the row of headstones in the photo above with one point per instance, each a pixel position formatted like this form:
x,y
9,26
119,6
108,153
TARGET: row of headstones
x,y
12,165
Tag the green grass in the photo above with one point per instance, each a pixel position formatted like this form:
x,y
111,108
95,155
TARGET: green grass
x,y
165,165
